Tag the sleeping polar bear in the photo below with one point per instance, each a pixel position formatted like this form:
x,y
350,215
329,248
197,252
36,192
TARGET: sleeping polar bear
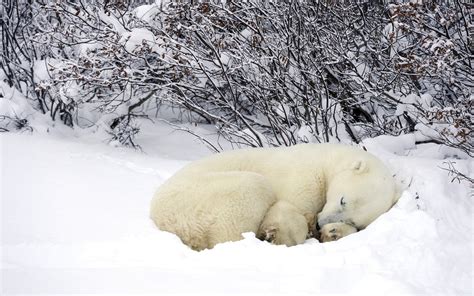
x,y
275,193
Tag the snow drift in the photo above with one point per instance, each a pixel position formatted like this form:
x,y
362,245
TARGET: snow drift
x,y
75,220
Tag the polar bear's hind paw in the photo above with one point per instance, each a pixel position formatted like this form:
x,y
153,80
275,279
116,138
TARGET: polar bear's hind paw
x,y
268,234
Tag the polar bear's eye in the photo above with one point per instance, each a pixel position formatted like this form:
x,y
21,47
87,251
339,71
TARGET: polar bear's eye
x,y
342,201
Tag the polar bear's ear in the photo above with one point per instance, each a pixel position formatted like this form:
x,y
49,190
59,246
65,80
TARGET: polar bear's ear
x,y
359,166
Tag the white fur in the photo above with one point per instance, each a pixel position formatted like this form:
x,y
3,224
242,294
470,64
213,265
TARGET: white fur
x,y
212,207
217,198
284,225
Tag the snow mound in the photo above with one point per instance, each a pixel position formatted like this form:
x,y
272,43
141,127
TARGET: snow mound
x,y
75,220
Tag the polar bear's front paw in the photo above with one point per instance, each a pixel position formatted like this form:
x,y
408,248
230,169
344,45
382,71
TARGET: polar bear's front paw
x,y
334,231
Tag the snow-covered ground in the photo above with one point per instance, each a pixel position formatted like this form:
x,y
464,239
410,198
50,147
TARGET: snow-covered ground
x,y
74,214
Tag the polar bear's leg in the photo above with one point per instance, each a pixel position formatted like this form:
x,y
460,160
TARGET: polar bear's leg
x,y
239,206
285,225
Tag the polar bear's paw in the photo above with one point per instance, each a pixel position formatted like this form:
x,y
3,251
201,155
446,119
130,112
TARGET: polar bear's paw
x,y
289,233
334,231
286,233
284,225
267,233
278,235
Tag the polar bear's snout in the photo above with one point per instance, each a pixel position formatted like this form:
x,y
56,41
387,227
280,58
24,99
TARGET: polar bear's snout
x,y
332,218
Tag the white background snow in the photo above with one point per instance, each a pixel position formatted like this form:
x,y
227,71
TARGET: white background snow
x,y
74,214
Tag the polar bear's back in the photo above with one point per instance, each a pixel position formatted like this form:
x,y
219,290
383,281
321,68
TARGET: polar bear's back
x,y
263,160
211,208
297,174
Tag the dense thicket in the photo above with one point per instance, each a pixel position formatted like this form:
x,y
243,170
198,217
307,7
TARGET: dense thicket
x,y
262,72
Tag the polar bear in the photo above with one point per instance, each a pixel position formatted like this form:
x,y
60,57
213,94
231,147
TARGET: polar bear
x,y
217,198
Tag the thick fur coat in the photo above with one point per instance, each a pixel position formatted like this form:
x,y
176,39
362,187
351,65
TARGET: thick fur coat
x,y
217,198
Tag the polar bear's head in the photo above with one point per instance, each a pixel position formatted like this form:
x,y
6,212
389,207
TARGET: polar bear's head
x,y
357,195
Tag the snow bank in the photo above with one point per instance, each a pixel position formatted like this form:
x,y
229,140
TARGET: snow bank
x,y
75,220
14,106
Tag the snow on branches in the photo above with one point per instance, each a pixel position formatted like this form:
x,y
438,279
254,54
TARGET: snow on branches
x,y
262,72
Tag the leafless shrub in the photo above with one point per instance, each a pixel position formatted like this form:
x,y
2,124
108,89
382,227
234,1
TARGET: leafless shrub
x,y
263,72
455,174
14,123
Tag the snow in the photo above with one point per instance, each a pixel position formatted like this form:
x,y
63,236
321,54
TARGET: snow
x,y
75,221
112,20
153,14
84,48
246,33
147,12
137,37
14,104
40,70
